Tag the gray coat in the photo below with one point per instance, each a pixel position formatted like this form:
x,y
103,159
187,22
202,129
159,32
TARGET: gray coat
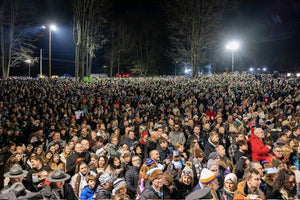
x,y
103,193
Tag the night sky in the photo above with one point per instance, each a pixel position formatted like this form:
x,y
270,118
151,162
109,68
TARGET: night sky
x,y
267,29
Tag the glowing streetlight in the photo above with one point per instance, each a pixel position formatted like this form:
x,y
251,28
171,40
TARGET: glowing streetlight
x,y
233,46
29,63
264,69
251,69
51,28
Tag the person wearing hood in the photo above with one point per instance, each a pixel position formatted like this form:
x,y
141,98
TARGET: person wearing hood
x,y
78,181
212,143
104,190
229,188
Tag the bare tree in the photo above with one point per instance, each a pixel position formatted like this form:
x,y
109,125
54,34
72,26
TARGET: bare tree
x,y
120,41
86,34
16,43
192,26
146,52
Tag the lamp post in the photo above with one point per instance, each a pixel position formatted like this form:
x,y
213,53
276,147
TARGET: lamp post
x,y
29,63
233,46
51,28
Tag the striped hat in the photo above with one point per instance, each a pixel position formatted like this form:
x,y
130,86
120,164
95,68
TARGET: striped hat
x,y
207,176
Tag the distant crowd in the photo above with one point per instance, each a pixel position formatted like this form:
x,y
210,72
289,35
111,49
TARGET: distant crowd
x,y
211,137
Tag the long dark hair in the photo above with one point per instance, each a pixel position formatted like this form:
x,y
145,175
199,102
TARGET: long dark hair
x,y
111,162
282,179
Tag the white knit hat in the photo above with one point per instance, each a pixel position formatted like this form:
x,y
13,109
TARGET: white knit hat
x,y
187,171
231,177
207,176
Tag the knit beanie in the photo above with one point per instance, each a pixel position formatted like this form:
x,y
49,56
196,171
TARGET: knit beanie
x,y
207,176
105,178
118,184
231,177
187,171
213,155
155,174
211,163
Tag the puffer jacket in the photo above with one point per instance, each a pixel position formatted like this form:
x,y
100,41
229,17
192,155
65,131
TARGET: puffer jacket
x,y
258,148
88,193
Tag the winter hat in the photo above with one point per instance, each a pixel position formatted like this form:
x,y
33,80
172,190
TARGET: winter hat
x,y
231,177
187,171
211,163
149,161
118,184
207,176
105,178
177,164
155,174
213,155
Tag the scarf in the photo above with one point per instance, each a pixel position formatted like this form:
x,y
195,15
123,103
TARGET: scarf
x,y
285,194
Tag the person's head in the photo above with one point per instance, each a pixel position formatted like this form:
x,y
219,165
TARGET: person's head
x,y
163,142
179,147
119,187
286,180
259,132
114,161
91,181
102,161
282,136
209,179
56,136
156,178
214,137
230,182
168,180
52,148
197,130
187,175
131,135
253,178
39,150
106,181
154,155
36,162
256,165
94,159
78,148
56,158
15,174
67,150
213,166
114,140
239,136
82,168
85,144
136,161
277,151
48,155
221,150
242,145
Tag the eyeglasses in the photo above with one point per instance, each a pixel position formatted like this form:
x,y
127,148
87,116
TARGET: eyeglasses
x,y
292,182
136,160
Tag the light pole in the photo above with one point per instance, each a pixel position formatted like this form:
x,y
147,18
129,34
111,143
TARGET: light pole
x,y
233,46
51,28
29,63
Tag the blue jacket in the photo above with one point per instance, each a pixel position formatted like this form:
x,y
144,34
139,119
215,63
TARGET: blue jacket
x,y
87,193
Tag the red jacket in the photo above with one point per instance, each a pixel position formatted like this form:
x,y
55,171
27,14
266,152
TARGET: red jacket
x,y
258,148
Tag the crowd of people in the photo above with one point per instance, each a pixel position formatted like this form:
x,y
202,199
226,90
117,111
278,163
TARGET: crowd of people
x,y
211,137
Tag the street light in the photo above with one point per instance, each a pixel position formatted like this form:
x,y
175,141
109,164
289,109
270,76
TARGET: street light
x,y
51,28
233,46
29,63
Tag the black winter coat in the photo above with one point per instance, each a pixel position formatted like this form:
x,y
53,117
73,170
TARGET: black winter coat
x,y
132,179
48,192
